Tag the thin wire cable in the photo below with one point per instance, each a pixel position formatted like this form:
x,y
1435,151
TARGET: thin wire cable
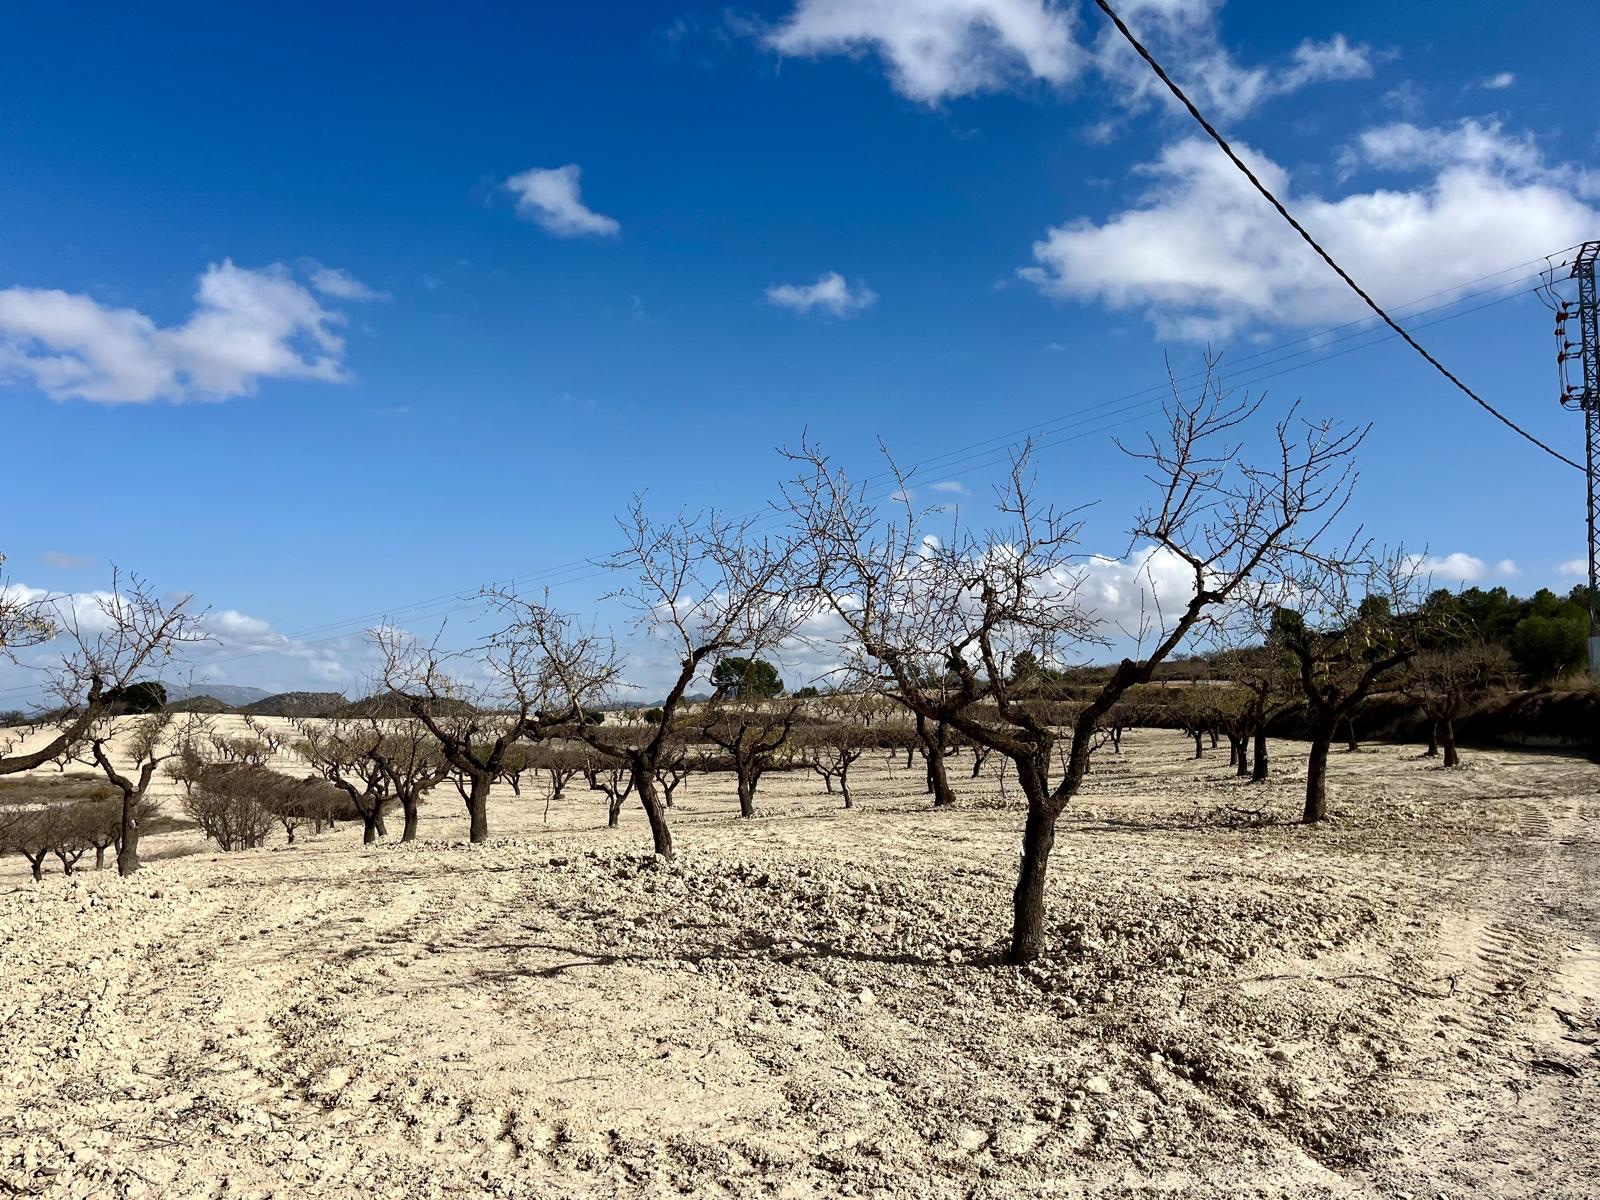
x,y
1315,245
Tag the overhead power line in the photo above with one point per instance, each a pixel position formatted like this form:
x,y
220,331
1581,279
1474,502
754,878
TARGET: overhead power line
x,y
1221,141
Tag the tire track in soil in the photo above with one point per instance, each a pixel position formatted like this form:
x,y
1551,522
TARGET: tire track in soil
x,y
1497,1116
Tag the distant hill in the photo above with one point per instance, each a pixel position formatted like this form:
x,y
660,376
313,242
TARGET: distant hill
x,y
392,706
296,704
228,693
199,704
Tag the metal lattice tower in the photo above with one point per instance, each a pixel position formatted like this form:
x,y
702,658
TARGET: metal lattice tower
x,y
1585,397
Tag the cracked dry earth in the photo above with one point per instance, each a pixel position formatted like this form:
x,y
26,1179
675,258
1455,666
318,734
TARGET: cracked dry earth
x,y
1402,1002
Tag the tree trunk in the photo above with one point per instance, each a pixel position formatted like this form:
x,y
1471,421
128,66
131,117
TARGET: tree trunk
x,y
844,786
1027,904
1199,748
1213,739
1317,776
1451,758
410,831
1258,771
1433,739
478,807
377,820
128,841
655,812
369,827
613,808
747,792
38,865
938,777
1241,756
1351,745
99,858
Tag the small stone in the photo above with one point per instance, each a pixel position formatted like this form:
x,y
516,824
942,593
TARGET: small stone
x,y
1099,1085
865,998
971,1140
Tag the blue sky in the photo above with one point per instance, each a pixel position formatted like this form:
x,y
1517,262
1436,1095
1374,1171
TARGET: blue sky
x,y
300,312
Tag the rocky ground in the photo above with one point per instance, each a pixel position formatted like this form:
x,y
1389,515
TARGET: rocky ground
x,y
1402,1002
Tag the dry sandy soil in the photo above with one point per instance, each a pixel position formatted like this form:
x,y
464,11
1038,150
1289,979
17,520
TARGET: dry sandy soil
x,y
1402,1002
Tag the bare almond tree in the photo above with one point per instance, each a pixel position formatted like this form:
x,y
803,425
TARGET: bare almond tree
x,y
1445,681
831,749
343,751
1354,621
412,763
1271,689
958,609
751,735
701,587
110,640
614,781
147,744
478,703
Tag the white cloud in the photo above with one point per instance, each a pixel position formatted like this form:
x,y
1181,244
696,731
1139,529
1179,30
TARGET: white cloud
x,y
939,48
341,285
1205,256
1188,41
550,197
247,325
1403,146
1497,83
953,487
1507,568
1148,588
230,623
1573,568
830,293
1450,570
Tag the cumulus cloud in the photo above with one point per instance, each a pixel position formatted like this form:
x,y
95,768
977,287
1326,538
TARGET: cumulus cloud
x,y
1185,35
550,198
1573,568
830,293
1498,83
937,49
1451,570
247,325
1146,589
1204,256
934,49
230,623
1507,568
952,487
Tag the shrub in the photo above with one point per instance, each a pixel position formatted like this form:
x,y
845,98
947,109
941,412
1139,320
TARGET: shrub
x,y
232,803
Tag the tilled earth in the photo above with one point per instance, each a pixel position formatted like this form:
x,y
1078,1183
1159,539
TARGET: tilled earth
x,y
1402,1002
